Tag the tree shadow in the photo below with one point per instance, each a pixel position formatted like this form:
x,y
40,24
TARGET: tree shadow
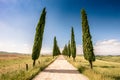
x,y
61,71
117,78
106,66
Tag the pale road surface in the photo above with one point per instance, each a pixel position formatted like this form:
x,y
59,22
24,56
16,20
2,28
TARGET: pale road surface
x,y
60,69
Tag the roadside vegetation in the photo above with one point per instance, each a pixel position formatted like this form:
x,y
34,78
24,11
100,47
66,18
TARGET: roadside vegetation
x,y
13,67
103,70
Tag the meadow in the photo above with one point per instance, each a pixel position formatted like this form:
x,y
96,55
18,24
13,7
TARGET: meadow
x,y
13,66
104,68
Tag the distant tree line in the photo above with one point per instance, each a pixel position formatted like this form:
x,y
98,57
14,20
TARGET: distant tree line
x,y
70,49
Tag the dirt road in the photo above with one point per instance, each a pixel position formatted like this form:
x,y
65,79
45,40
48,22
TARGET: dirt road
x,y
60,69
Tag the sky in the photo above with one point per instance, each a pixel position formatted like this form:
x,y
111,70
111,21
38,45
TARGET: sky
x,y
19,18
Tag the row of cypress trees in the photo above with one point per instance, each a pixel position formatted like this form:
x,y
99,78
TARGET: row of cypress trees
x,y
71,48
86,41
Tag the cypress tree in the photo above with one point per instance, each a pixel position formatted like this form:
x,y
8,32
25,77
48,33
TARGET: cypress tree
x,y
65,51
69,49
73,44
54,47
56,50
86,38
38,37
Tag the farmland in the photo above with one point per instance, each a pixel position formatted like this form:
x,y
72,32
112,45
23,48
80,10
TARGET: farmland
x,y
105,67
13,66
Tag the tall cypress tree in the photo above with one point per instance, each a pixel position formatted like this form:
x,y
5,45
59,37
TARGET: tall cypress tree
x,y
65,50
38,37
54,47
73,44
86,38
69,49
56,50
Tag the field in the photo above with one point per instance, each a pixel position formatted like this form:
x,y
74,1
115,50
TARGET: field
x,y
105,67
13,66
109,58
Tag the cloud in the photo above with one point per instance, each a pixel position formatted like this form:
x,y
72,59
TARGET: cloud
x,y
106,47
46,50
13,40
15,47
10,46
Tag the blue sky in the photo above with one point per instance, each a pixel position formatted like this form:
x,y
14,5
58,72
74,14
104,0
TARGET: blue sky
x,y
18,20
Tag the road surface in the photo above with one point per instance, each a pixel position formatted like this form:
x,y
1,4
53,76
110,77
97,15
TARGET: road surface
x,y
60,69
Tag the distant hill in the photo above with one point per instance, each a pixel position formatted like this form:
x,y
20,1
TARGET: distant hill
x,y
2,52
11,54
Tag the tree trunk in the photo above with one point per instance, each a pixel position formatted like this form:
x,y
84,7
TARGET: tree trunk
x,y
69,56
91,66
74,59
33,63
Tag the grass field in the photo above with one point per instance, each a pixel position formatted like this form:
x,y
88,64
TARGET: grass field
x,y
105,67
109,58
13,66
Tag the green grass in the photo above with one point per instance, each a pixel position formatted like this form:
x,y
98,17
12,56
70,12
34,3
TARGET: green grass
x,y
102,70
13,68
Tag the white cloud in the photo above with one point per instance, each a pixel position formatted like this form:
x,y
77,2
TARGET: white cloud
x,y
46,50
107,47
13,39
15,47
10,46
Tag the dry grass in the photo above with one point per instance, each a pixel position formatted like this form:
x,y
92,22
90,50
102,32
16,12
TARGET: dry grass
x,y
14,67
9,63
103,70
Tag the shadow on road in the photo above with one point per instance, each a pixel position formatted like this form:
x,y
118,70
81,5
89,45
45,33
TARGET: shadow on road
x,y
61,71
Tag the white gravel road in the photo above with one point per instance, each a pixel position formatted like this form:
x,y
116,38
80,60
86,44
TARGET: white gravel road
x,y
60,69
